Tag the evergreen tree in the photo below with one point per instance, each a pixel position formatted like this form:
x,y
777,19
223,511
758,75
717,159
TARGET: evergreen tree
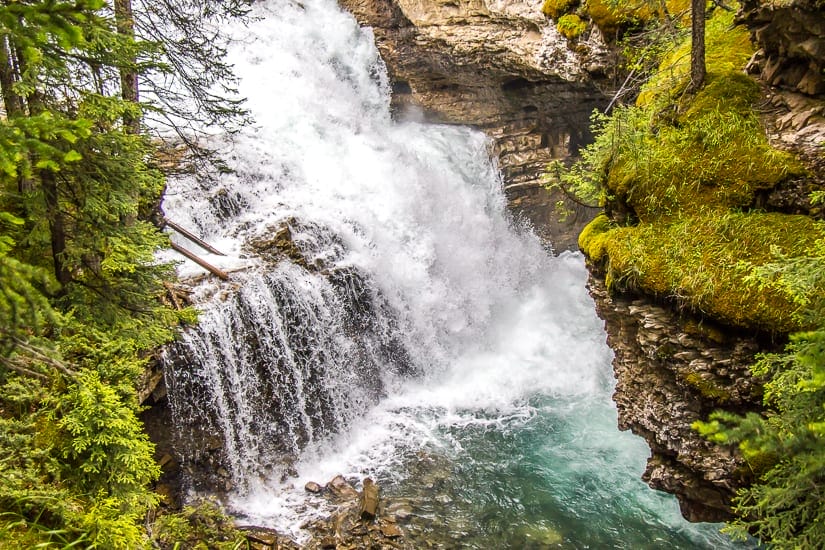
x,y
80,289
785,448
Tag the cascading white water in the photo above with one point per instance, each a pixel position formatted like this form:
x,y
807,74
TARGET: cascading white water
x,y
405,321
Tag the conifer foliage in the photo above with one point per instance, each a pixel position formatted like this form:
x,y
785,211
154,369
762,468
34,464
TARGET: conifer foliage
x,y
79,286
785,447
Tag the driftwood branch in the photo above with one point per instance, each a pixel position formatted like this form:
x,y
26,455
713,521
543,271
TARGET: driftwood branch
x,y
12,366
40,356
620,92
172,295
204,264
192,237
21,364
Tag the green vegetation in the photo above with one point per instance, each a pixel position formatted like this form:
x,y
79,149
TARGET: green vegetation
x,y
612,17
555,8
194,525
571,25
679,176
785,448
702,259
80,290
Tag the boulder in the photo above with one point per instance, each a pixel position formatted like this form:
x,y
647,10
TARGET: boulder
x,y
368,500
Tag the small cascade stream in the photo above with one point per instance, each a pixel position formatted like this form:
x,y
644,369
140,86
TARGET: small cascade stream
x,y
386,317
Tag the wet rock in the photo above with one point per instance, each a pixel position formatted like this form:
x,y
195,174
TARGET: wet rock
x,y
279,242
312,487
167,495
369,500
503,67
264,538
390,530
339,488
401,510
347,527
672,370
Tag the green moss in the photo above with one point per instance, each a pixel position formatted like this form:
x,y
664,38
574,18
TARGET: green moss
x,y
708,389
200,526
592,239
555,8
608,17
703,260
613,16
571,25
713,152
728,48
687,170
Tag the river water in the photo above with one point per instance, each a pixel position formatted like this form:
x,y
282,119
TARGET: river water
x,y
413,333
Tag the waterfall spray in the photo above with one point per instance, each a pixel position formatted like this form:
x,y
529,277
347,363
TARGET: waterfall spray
x,y
385,315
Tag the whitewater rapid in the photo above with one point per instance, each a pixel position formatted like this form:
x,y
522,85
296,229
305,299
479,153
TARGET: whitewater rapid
x,y
467,330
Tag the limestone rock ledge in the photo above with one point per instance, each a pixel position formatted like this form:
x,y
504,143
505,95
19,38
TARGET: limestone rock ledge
x,y
500,66
791,36
671,370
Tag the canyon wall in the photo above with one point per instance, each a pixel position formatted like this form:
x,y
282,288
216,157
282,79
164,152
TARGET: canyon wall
x,y
502,67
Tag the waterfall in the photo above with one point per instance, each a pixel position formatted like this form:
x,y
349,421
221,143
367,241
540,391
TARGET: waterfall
x,y
385,311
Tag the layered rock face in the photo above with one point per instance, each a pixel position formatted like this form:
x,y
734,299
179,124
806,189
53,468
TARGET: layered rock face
x,y
502,67
671,371
792,39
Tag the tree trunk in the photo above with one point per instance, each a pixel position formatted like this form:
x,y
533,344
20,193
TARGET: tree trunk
x,y
125,22
57,227
13,103
48,185
697,45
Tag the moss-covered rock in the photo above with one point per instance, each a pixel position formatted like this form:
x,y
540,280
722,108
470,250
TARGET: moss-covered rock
x,y
703,260
689,168
571,25
555,8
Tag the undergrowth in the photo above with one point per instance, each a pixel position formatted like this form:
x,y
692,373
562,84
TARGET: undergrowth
x,y
679,176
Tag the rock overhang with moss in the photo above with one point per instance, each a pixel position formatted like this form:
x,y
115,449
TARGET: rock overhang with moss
x,y
681,179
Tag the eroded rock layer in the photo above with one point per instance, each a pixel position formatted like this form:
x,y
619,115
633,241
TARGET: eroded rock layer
x,y
671,371
502,67
791,36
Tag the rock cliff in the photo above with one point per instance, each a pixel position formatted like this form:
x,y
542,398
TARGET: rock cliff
x,y
502,67
791,36
672,370
674,365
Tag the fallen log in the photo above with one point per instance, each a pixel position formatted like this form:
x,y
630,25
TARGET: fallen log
x,y
207,266
192,237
